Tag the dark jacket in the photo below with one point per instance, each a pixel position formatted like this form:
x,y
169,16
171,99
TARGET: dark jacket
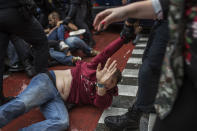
x,y
165,7
8,3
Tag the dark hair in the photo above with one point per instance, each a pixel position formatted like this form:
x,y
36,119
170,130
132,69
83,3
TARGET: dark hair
x,y
118,75
55,15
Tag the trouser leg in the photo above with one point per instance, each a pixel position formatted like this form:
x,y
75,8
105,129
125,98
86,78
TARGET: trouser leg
x,y
56,116
31,31
149,72
76,43
39,91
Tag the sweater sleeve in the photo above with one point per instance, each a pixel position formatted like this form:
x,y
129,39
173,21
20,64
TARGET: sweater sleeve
x,y
106,53
103,102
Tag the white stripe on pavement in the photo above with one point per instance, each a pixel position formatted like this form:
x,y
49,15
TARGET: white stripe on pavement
x,y
134,60
130,73
138,51
127,90
141,45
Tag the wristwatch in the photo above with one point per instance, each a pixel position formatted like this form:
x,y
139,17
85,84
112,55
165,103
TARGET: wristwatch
x,y
100,85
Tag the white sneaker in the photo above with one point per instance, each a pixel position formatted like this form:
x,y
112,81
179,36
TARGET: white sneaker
x,y
63,46
78,32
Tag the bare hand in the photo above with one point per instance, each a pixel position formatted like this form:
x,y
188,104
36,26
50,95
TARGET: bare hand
x,y
107,72
109,16
72,26
59,23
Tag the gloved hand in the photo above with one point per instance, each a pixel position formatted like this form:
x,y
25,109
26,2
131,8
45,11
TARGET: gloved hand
x,y
128,33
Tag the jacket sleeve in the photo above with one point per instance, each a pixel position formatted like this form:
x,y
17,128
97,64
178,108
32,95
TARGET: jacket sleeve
x,y
165,7
106,53
103,102
72,11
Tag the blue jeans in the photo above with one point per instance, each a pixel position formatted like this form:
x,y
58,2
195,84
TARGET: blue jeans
x,y
73,42
149,73
40,93
61,57
76,43
57,34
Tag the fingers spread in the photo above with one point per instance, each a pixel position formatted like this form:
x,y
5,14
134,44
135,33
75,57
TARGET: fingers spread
x,y
107,63
113,71
99,67
112,65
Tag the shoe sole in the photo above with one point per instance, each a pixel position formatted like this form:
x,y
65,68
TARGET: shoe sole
x,y
78,32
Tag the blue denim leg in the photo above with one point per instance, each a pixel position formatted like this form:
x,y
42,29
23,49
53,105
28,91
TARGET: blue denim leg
x,y
56,115
53,35
39,91
61,57
12,54
149,72
76,43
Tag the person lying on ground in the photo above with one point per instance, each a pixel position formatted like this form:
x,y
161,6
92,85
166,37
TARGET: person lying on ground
x,y
89,83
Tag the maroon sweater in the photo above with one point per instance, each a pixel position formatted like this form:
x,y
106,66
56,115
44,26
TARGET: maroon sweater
x,y
83,86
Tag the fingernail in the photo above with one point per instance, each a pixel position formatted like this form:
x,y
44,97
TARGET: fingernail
x,y
103,23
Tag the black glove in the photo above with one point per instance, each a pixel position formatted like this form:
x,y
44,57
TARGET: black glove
x,y
128,33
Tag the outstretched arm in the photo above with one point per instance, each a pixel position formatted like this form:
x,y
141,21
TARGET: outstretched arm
x,y
139,10
106,53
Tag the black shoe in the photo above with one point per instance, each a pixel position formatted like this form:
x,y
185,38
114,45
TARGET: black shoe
x,y
127,122
4,100
29,68
16,67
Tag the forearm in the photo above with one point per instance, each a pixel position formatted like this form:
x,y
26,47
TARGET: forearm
x,y
107,52
139,10
104,101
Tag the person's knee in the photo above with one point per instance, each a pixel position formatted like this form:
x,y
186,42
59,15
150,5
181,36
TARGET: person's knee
x,y
72,41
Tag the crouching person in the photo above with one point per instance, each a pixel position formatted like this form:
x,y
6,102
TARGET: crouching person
x,y
89,83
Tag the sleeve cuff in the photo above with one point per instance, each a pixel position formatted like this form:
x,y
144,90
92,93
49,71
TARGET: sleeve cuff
x,y
157,6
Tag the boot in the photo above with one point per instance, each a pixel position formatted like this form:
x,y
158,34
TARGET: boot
x,y
127,122
29,69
